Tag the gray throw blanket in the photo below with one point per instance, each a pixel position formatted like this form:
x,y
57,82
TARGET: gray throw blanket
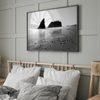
x,y
40,93
8,92
37,92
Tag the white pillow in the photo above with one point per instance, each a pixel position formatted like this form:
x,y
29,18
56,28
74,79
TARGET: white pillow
x,y
35,71
64,90
70,77
13,80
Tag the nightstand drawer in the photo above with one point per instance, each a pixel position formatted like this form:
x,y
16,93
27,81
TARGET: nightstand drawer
x,y
2,80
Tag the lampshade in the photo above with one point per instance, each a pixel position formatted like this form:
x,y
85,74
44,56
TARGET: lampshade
x,y
0,59
95,68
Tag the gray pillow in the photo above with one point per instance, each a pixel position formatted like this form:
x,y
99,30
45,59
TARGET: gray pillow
x,y
39,92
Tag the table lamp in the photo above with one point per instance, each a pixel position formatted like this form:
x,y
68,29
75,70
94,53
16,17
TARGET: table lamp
x,y
95,71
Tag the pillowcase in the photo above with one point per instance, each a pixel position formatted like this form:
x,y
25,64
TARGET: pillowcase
x,y
33,71
38,92
70,77
13,80
64,90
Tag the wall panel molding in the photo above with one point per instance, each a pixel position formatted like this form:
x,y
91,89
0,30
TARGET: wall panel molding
x,y
21,49
30,1
65,2
6,49
6,36
87,51
4,65
24,4
65,61
14,21
98,46
98,27
54,3
98,15
88,32
21,21
14,48
6,2
87,12
6,22
6,7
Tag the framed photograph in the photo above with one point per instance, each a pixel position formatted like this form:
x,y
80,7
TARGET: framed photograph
x,y
53,30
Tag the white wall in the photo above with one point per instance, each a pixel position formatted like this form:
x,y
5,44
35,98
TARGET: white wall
x,y
13,36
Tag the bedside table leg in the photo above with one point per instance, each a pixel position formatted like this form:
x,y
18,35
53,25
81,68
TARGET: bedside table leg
x,y
91,85
99,87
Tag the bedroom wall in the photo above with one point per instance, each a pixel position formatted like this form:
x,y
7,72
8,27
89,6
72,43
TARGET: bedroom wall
x,y
13,37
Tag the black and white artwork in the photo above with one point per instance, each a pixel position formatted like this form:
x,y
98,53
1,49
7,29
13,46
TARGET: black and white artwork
x,y
53,29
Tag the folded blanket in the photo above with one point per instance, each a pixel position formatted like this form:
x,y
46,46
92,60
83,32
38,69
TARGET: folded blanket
x,y
8,93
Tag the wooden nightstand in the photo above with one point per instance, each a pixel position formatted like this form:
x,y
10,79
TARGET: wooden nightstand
x,y
2,80
96,97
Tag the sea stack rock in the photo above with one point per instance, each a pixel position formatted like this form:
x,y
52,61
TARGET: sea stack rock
x,y
42,24
55,24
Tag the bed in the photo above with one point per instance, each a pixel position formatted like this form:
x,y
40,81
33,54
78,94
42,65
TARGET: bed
x,y
60,81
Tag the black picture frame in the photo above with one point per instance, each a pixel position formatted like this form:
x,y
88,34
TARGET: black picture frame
x,y
53,29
